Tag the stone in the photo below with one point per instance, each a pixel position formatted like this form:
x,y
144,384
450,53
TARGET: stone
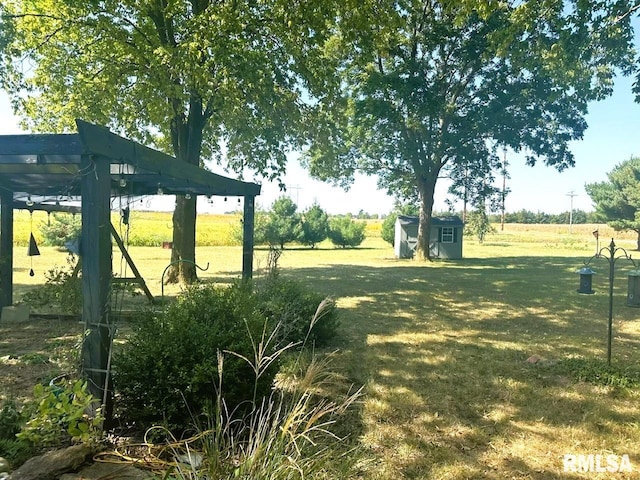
x,y
53,464
112,471
15,314
535,359
4,465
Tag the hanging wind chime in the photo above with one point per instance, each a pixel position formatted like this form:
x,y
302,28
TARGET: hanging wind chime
x,y
33,246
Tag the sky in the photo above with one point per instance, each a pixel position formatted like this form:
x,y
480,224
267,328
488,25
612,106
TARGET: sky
x,y
613,136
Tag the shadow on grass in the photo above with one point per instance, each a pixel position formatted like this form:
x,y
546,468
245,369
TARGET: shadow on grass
x,y
443,349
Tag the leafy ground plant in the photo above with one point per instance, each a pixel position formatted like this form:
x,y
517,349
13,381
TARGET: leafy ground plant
x,y
64,412
598,372
12,420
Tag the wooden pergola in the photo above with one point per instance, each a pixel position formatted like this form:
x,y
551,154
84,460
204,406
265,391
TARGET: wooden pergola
x,y
93,166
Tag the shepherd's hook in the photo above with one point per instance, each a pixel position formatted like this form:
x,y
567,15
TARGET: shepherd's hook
x,y
175,262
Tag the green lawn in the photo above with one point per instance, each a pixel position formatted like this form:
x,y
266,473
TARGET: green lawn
x,y
442,350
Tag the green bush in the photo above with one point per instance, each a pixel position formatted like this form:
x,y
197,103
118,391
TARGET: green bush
x,y
478,224
11,420
345,232
295,305
169,366
388,230
283,223
315,226
62,288
60,229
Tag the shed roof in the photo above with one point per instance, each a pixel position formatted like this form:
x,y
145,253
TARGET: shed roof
x,y
50,165
449,221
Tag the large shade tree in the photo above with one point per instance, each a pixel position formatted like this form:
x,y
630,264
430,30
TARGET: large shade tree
x,y
435,88
617,200
199,78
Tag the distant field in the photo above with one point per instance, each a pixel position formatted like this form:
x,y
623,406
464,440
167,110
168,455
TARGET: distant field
x,y
145,228
151,229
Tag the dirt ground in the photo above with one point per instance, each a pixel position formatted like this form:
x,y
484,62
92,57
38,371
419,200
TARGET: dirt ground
x,y
35,351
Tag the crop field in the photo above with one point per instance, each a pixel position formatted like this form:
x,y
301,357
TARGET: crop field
x,y
491,366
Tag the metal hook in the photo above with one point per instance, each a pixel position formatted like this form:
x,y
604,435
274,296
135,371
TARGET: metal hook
x,y
174,263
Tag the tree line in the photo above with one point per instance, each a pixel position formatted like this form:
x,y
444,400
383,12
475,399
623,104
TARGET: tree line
x,y
528,216
283,224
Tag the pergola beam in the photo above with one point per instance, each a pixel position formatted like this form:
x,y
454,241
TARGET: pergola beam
x,y
6,248
96,254
247,237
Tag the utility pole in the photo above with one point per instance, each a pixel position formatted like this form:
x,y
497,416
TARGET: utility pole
x,y
504,185
297,188
571,194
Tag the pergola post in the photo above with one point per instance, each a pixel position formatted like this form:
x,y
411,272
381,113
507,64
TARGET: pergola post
x,y
96,253
247,236
6,248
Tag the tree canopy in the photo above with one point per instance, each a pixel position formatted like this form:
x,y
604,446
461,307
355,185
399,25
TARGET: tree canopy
x,y
283,223
228,81
617,200
434,88
315,225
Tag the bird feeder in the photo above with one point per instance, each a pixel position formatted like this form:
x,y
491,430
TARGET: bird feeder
x,y
586,275
633,289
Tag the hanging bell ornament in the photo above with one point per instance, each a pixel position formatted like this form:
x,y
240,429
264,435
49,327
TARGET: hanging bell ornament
x,y
31,273
33,247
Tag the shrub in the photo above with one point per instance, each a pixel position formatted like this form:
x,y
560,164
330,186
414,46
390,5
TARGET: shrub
x,y
388,231
62,288
295,306
236,234
478,224
345,232
315,226
283,223
12,419
289,435
60,229
169,367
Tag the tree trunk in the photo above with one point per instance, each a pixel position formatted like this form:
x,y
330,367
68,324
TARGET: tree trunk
x,y
186,137
184,245
638,240
426,190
